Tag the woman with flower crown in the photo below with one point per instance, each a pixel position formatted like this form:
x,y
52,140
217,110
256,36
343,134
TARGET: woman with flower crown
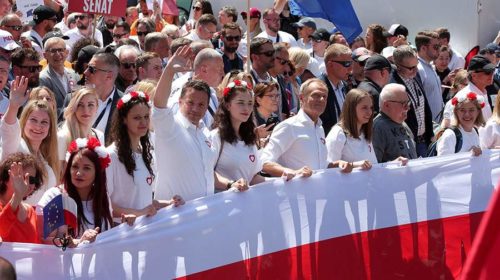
x,y
234,135
130,177
468,115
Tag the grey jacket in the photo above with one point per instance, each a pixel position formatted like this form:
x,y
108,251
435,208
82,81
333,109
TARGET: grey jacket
x,y
49,78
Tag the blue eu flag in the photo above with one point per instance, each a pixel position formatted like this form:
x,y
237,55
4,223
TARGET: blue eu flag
x,y
53,215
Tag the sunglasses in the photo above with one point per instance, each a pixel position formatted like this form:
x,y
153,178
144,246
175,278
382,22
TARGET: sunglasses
x,y
343,63
119,36
139,33
233,38
15,27
282,60
80,17
32,69
196,8
93,69
405,103
409,68
128,65
289,73
59,50
268,53
245,17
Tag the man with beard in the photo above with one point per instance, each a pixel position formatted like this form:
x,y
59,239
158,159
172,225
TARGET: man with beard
x,y
44,19
26,62
272,25
106,27
127,74
83,30
262,56
231,37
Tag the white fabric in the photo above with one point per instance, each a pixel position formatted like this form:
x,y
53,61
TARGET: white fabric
x,y
75,35
124,190
448,111
342,147
446,144
4,103
472,88
185,156
275,216
284,37
315,66
88,212
12,142
456,61
297,142
62,142
103,105
489,135
236,160
432,87
36,45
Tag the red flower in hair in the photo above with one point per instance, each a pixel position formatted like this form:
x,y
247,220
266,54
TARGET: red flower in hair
x,y
454,101
134,94
119,105
105,161
92,143
237,82
72,147
226,91
482,105
471,96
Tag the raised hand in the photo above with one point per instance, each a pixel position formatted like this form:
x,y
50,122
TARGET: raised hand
x,y
18,94
181,60
19,180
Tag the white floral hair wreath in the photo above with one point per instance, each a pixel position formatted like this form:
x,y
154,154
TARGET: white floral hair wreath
x,y
231,85
132,95
469,96
93,144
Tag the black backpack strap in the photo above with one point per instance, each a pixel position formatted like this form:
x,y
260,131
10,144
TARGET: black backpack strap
x,y
458,135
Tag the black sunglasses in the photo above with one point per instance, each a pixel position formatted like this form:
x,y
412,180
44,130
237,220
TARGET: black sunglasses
x,y
343,63
282,60
245,17
233,38
289,73
93,69
119,36
128,65
196,8
32,69
409,68
81,17
268,53
15,27
139,33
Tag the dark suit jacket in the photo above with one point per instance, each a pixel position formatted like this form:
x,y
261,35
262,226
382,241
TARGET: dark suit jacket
x,y
329,117
411,119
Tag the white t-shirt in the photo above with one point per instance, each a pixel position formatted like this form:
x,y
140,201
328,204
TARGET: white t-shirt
x,y
342,147
236,160
489,135
456,61
62,143
12,142
127,191
446,144
88,212
283,37
185,156
297,142
75,35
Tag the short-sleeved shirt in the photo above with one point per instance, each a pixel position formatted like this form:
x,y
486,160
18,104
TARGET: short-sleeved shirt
x,y
447,142
281,37
343,147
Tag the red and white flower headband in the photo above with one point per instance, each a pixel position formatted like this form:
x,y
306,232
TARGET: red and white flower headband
x,y
235,83
469,96
131,96
93,144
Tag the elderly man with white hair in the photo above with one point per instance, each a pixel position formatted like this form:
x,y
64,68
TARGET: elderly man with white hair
x,y
127,75
392,138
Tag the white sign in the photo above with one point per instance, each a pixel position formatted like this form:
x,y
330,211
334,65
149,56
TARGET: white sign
x,y
26,7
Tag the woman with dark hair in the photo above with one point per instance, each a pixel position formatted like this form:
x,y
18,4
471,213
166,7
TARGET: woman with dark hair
x,y
266,102
351,138
200,7
85,181
20,175
234,136
131,174
375,40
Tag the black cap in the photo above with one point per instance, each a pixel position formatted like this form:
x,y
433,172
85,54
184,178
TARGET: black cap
x,y
321,34
480,63
42,13
53,34
86,53
377,61
395,30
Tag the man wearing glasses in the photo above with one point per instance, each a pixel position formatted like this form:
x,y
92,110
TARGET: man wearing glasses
x,y
127,75
338,64
26,62
83,30
44,19
230,35
419,114
392,138
320,41
205,28
428,45
272,29
12,24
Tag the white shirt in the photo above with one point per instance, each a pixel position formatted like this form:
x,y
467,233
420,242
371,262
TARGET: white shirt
x,y
104,105
62,141
236,160
432,87
184,155
343,147
489,135
4,103
446,144
297,142
88,212
456,60
124,190
472,88
75,35
282,37
62,27
193,36
315,66
12,142
304,46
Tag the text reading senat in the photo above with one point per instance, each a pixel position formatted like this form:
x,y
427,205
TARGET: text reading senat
x,y
97,6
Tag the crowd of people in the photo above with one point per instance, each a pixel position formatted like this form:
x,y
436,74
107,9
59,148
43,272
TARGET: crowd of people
x,y
144,113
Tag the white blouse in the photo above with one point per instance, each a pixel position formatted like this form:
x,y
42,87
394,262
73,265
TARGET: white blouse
x,y
12,142
236,160
343,147
489,135
446,144
127,191
88,212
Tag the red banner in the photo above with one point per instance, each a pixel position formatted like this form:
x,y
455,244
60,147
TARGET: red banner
x,y
103,7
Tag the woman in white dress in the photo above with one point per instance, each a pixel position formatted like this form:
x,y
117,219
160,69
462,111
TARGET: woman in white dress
x,y
467,112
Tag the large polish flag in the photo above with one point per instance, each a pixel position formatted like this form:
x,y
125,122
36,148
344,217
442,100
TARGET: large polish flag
x,y
392,222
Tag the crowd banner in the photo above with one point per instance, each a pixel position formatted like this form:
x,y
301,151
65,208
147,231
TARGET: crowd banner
x,y
103,7
391,222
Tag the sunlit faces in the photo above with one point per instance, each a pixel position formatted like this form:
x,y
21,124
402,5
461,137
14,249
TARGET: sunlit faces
x,y
193,105
127,65
336,68
466,114
37,126
86,109
241,106
407,69
137,120
364,110
231,40
206,31
397,106
213,71
442,61
101,72
272,21
314,102
152,69
482,79
224,18
82,172
269,100
82,21
56,53
46,96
